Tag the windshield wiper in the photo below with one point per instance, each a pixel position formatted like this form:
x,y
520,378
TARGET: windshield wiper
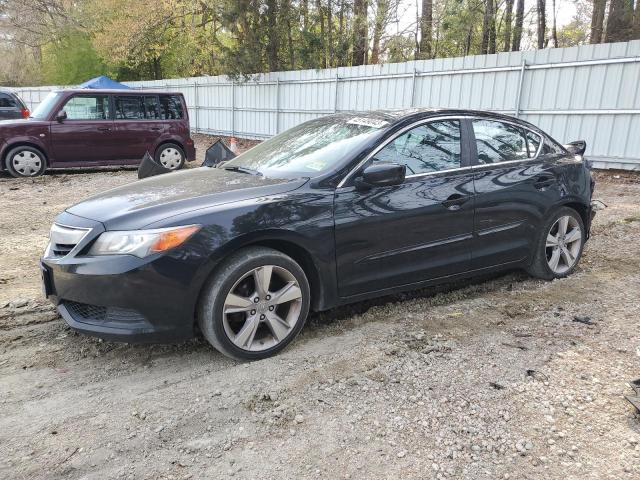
x,y
236,168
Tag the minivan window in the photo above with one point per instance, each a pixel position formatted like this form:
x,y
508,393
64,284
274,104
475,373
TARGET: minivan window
x,y
87,107
431,147
129,107
171,107
151,107
43,110
499,142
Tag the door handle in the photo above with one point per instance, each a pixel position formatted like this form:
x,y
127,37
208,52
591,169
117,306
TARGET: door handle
x,y
455,201
104,129
155,128
543,181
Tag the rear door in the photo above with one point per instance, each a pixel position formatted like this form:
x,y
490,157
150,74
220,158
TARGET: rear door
x,y
422,229
515,182
134,132
86,136
10,108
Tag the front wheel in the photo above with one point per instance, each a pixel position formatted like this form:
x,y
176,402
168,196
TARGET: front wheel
x,y
170,156
559,247
24,162
255,304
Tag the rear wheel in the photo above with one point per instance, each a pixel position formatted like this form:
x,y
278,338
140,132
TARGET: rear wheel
x,y
560,245
25,161
170,156
255,304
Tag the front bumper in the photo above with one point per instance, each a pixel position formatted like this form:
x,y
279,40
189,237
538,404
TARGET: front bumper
x,y
122,297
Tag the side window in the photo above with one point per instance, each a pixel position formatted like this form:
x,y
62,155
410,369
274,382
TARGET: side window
x,y
151,107
87,107
171,107
533,143
426,148
499,142
7,102
129,107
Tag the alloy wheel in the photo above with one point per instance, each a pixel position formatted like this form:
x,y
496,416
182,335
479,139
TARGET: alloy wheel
x,y
171,158
564,241
26,163
262,308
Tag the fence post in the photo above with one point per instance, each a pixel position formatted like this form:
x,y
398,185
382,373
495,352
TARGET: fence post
x,y
233,108
413,87
523,67
197,104
277,105
335,94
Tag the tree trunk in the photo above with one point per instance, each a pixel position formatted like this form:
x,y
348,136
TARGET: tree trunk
x,y
287,12
272,35
508,13
620,21
329,44
489,28
382,10
542,22
426,29
360,35
597,21
636,21
554,29
323,40
341,59
517,29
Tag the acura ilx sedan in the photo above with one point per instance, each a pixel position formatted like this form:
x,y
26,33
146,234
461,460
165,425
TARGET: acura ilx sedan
x,y
336,210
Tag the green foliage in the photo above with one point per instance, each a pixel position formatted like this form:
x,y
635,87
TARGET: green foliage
x,y
70,60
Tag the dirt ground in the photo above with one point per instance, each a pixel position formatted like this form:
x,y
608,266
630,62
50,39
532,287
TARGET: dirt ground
x,y
506,377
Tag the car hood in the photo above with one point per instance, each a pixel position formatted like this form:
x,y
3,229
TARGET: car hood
x,y
141,203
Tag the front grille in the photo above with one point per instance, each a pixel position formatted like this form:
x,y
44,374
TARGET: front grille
x,y
106,316
63,239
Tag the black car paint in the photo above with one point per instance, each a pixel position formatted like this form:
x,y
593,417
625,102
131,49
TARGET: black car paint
x,y
353,243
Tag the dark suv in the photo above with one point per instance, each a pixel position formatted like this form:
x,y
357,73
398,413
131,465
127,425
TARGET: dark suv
x,y
11,105
88,128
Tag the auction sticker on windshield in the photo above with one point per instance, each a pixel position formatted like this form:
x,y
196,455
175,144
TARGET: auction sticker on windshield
x,y
368,122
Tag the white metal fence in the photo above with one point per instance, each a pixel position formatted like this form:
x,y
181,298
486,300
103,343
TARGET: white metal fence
x,y
589,92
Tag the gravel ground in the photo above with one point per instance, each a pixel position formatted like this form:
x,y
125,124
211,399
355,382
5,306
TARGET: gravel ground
x,y
501,377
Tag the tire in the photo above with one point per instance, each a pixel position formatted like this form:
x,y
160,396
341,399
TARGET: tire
x,y
242,327
170,155
25,162
546,253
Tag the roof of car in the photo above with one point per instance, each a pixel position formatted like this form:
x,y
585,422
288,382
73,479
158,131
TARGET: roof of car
x,y
117,91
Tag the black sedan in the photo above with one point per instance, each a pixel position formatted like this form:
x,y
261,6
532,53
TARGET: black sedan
x,y
335,210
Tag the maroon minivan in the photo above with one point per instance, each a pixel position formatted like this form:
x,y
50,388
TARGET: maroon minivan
x,y
89,128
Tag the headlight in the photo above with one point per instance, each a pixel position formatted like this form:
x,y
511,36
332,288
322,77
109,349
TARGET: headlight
x,y
142,242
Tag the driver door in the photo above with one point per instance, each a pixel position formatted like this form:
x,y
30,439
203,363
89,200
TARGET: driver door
x,y
422,229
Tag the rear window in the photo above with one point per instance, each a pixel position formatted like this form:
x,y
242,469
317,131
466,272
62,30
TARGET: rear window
x,y
129,107
6,101
151,108
171,107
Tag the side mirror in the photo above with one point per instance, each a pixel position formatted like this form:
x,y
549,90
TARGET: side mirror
x,y
62,115
576,148
382,174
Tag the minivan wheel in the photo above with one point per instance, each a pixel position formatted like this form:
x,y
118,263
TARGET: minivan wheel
x,y
560,245
170,156
24,162
255,304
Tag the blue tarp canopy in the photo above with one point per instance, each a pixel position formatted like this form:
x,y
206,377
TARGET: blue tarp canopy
x,y
103,82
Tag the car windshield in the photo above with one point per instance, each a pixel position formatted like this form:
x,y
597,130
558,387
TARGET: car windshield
x,y
42,111
312,147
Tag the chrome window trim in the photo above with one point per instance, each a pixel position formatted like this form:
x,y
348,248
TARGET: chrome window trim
x,y
460,169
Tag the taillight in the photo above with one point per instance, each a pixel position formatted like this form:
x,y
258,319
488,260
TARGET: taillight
x,y
25,113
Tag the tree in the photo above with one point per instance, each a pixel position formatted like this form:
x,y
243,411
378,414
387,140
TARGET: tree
x,y
597,21
489,28
360,35
426,29
508,12
554,28
542,22
620,21
517,30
